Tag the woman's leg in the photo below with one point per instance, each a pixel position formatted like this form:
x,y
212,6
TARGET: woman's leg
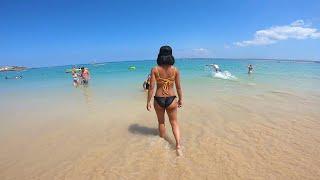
x,y
160,114
172,114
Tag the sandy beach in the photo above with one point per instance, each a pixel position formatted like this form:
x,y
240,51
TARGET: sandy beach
x,y
74,103
80,134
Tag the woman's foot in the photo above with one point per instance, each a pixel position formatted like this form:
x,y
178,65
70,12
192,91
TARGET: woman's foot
x,y
178,150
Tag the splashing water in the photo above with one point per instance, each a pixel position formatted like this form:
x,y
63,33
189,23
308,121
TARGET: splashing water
x,y
224,75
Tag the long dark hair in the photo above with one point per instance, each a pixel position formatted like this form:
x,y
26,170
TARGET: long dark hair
x,y
165,56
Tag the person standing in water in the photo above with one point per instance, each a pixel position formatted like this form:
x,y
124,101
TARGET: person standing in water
x,y
165,76
75,77
250,68
85,75
146,83
214,67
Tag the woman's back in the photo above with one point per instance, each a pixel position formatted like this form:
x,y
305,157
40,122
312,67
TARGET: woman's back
x,y
165,77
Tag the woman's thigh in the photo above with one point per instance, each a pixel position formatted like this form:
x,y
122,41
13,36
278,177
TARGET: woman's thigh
x,y
172,111
159,111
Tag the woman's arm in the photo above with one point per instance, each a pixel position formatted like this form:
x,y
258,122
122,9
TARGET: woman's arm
x,y
178,87
151,89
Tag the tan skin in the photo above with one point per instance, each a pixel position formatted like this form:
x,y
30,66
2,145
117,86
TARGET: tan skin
x,y
166,71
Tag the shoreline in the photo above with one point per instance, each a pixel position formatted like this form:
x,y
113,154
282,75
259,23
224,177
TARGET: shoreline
x,y
265,125
192,59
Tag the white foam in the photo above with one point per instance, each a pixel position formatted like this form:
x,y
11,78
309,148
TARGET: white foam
x,y
224,75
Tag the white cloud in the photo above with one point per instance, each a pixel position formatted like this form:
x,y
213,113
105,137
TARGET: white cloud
x,y
315,35
202,51
296,30
196,52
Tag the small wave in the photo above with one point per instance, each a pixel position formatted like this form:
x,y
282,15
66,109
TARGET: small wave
x,y
280,93
224,75
158,143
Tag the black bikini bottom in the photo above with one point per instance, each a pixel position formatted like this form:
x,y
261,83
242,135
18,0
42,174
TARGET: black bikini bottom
x,y
164,101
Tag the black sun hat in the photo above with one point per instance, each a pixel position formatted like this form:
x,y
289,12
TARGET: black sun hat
x,y
165,56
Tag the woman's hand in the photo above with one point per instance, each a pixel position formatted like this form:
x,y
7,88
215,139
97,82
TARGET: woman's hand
x,y
179,103
149,106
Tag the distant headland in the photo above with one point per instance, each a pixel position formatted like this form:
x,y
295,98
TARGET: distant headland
x,y
12,68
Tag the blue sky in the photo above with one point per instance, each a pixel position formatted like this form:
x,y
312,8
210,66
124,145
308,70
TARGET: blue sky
x,y
46,33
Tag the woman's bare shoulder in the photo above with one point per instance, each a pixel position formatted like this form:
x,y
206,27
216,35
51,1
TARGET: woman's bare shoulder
x,y
175,69
154,69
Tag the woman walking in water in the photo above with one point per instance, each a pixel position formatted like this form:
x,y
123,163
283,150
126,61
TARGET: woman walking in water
x,y
165,75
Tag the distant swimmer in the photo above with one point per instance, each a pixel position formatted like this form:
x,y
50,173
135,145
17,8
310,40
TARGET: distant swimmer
x,y
16,77
146,83
250,68
215,67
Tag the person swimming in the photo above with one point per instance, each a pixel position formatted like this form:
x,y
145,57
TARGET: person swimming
x,y
85,76
250,68
15,77
165,76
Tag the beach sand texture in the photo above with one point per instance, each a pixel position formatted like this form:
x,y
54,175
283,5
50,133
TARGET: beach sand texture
x,y
86,133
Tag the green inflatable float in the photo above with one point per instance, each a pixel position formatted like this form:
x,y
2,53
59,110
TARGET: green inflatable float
x,y
70,70
132,68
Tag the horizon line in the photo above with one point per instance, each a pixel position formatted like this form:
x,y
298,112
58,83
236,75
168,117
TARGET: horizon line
x,y
180,58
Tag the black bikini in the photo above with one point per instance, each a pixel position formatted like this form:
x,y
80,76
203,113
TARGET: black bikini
x,y
164,101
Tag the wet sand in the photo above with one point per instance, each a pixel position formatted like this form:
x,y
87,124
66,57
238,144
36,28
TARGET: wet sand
x,y
270,135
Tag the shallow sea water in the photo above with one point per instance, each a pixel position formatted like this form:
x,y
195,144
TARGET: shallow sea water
x,y
260,126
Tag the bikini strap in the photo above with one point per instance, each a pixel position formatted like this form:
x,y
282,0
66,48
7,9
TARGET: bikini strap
x,y
158,71
174,72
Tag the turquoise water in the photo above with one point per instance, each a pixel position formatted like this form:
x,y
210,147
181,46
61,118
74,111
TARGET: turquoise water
x,y
115,76
252,126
